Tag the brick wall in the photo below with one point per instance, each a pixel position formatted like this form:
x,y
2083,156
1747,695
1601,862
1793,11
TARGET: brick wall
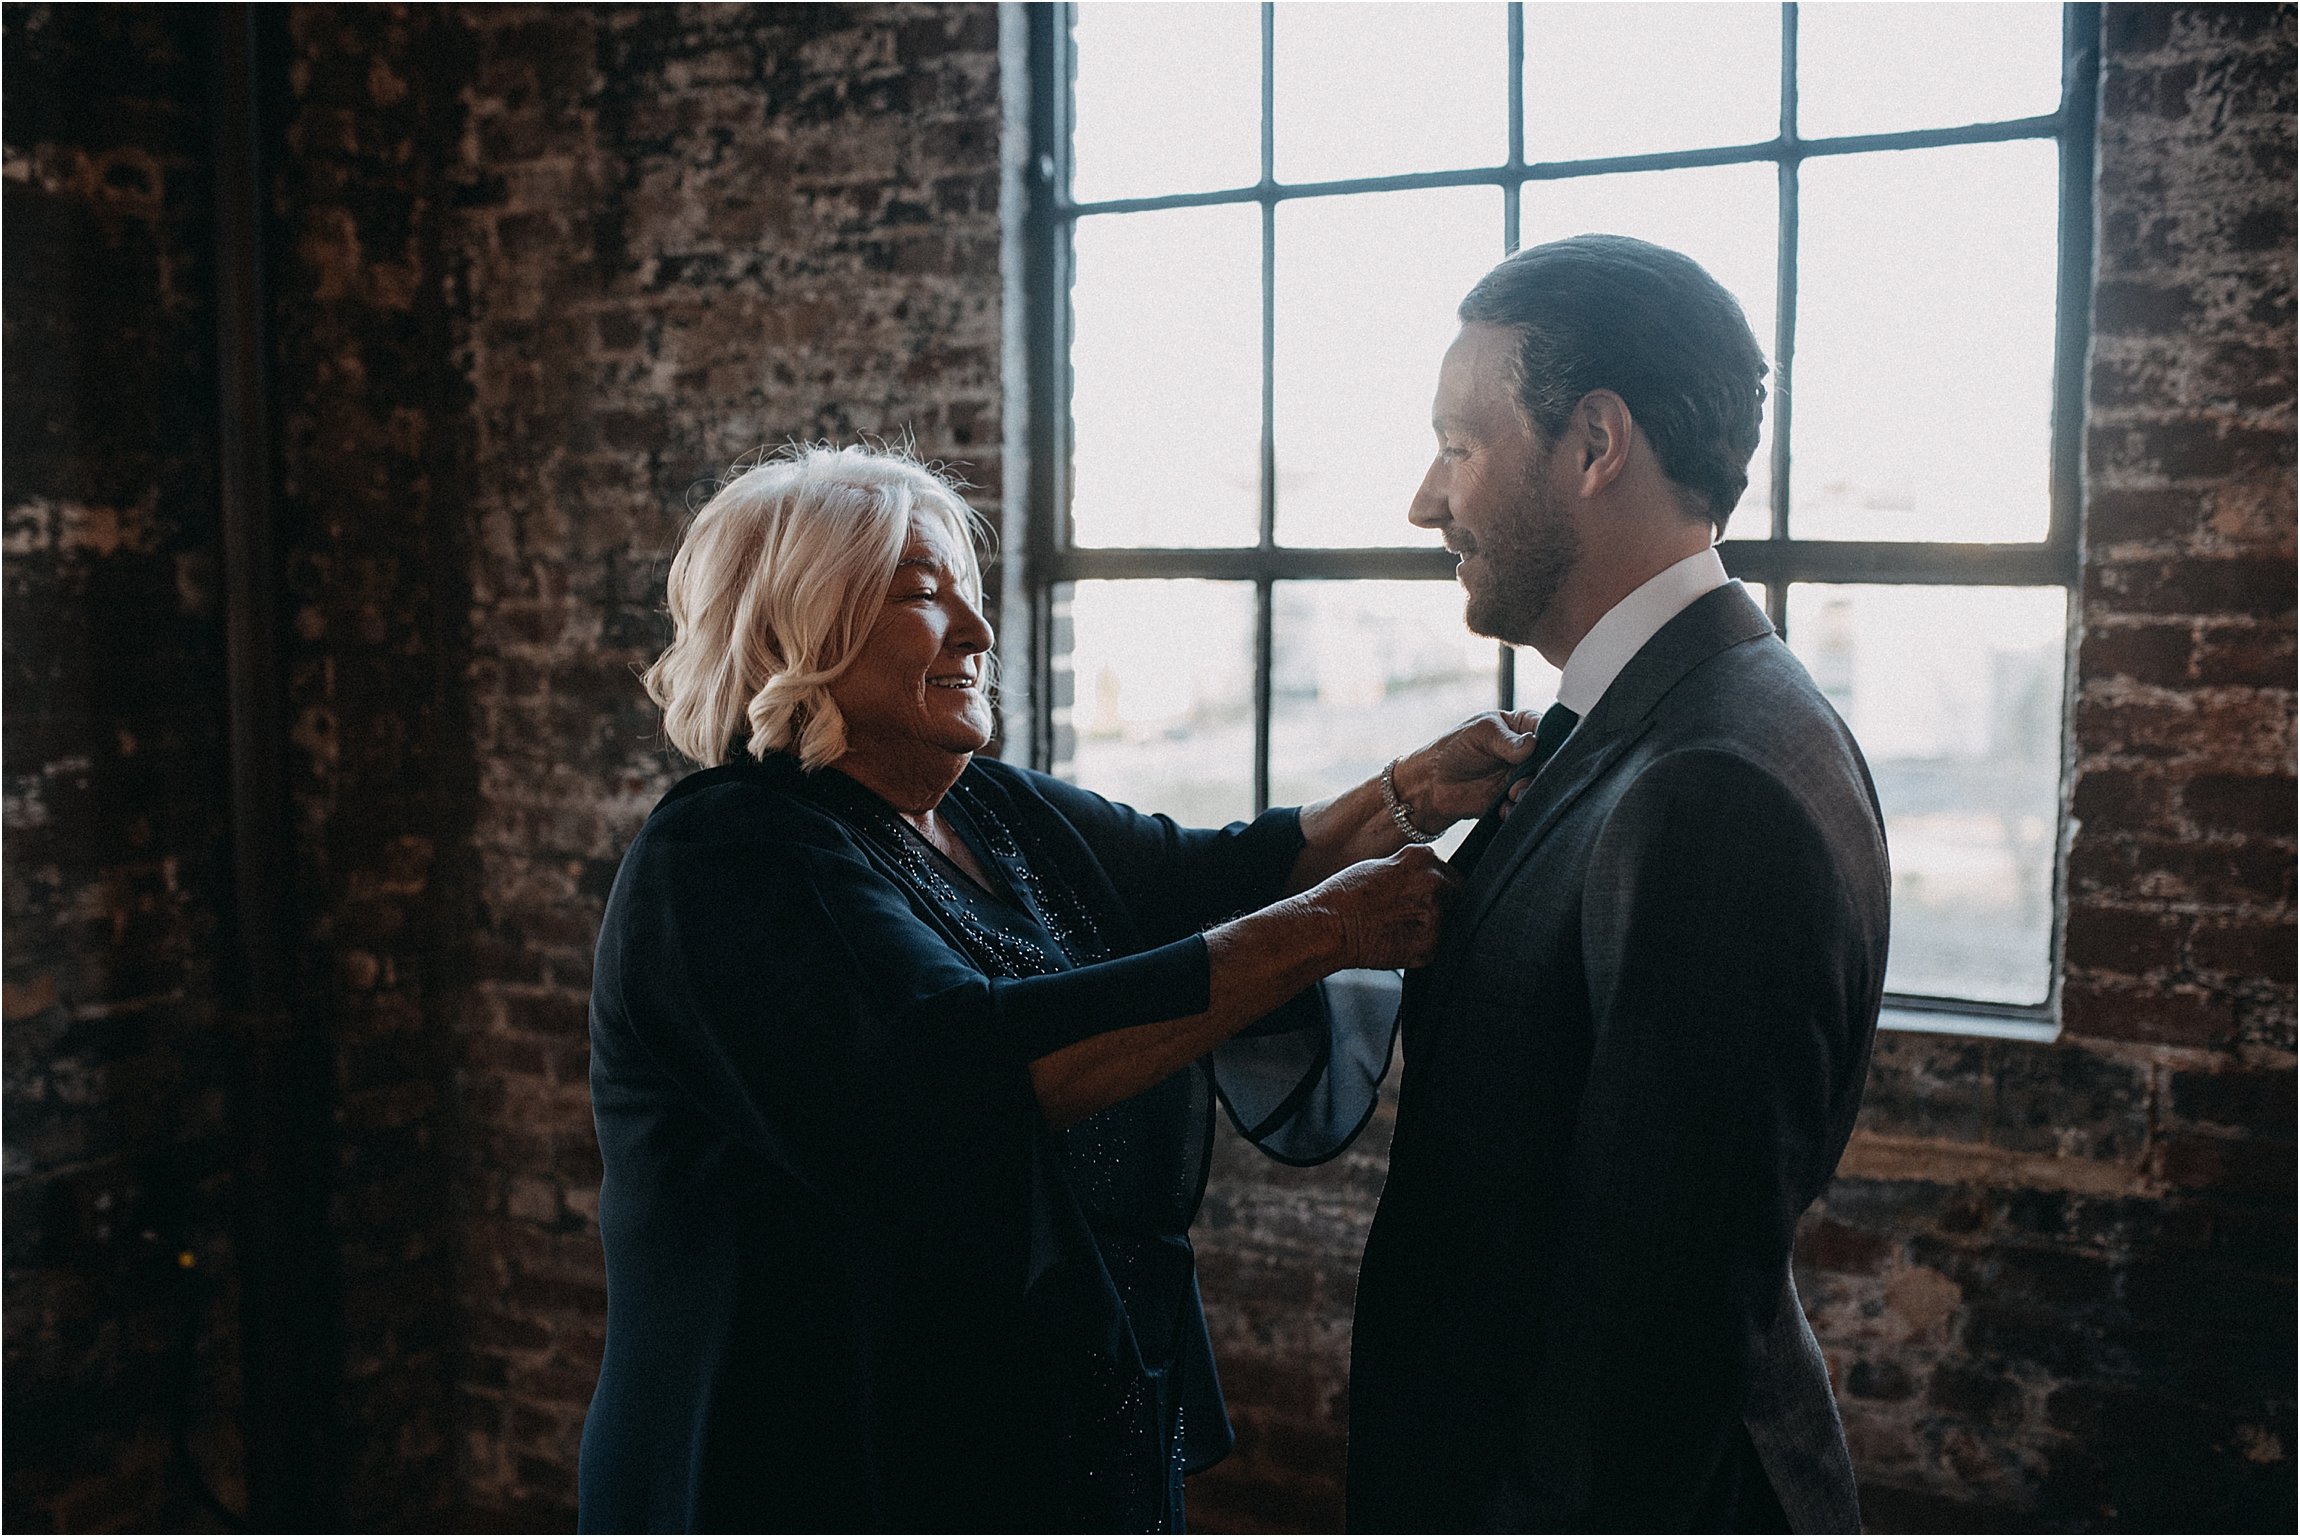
x,y
542,271
537,274
374,450
118,1147
685,234
2055,1282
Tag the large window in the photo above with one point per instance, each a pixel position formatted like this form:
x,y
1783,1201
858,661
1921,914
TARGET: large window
x,y
1249,228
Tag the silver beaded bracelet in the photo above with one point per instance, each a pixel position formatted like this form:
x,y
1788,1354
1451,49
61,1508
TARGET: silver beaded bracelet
x,y
1400,811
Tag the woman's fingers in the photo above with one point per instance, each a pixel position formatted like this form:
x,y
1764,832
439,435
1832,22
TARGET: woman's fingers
x,y
1393,909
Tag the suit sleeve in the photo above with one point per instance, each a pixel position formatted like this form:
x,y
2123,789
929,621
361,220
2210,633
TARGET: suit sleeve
x,y
1718,946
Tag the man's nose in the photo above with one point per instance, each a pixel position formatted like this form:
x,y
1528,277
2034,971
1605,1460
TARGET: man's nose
x,y
1427,509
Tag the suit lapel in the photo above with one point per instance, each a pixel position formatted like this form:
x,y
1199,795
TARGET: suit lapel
x,y
1578,766
1712,623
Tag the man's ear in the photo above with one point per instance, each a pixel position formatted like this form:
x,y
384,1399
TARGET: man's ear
x,y
1602,427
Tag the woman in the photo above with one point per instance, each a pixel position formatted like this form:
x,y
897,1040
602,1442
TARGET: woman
x,y
899,1055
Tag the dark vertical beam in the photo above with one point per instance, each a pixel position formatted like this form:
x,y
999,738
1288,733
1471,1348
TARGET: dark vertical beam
x,y
1046,296
2072,322
1785,312
1512,232
1265,641
289,1320
2071,366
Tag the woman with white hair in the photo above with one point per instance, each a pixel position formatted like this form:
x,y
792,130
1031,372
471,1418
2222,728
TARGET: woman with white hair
x,y
904,1060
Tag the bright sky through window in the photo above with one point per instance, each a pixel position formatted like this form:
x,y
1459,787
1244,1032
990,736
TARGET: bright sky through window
x,y
1925,280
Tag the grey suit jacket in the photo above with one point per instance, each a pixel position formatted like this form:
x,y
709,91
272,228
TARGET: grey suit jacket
x,y
1631,1068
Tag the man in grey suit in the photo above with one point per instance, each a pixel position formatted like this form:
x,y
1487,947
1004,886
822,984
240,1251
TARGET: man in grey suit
x,y
1640,1049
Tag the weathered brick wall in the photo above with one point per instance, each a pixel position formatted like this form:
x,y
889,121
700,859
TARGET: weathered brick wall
x,y
540,272
374,435
2055,1282
116,865
689,233
535,275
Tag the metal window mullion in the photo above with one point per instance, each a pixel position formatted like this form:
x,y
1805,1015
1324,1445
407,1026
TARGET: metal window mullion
x,y
1784,314
1512,229
1048,274
1567,170
2072,332
1266,539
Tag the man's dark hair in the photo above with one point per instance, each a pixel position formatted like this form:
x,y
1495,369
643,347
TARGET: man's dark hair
x,y
1605,312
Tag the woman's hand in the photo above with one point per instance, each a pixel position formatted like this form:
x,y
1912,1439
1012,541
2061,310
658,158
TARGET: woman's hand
x,y
1387,913
1382,913
1456,776
1461,773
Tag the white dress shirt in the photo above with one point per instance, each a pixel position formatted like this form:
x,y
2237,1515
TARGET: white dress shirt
x,y
1629,624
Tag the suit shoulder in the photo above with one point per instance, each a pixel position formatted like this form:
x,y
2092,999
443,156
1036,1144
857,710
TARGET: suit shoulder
x,y
1756,701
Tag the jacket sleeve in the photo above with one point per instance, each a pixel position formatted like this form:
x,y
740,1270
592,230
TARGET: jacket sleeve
x,y
1720,955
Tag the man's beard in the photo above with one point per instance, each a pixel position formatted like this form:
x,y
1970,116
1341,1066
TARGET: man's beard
x,y
1527,561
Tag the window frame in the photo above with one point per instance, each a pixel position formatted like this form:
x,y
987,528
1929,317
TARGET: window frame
x,y
1041,557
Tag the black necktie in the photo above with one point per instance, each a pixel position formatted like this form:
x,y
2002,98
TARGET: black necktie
x,y
1557,723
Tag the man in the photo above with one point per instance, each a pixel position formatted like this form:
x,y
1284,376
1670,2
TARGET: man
x,y
1639,1051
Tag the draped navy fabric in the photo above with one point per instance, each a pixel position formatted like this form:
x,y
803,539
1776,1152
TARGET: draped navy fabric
x,y
854,1281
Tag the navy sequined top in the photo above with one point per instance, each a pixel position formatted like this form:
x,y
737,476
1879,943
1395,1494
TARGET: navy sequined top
x,y
854,1281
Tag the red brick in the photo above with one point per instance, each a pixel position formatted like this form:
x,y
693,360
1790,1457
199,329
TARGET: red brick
x,y
2242,805
2249,949
2134,943
2187,449
2154,653
2230,656
2192,585
2129,1011
2251,1099
2126,307
1839,1249
2238,1165
2113,801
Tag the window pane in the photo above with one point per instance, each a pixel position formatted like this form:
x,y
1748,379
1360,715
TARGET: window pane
x,y
1168,99
1367,288
1879,68
1924,344
1363,671
1166,353
1372,90
1955,695
1727,218
1628,79
1161,709
1536,680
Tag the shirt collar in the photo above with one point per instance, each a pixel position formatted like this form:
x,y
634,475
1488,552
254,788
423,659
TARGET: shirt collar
x,y
1629,624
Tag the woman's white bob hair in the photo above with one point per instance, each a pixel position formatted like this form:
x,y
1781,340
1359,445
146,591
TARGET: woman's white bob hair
x,y
775,586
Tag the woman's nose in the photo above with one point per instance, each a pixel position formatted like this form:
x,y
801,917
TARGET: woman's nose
x,y
972,633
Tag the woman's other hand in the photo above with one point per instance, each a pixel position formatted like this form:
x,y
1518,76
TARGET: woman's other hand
x,y
1461,773
1387,913
1378,913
